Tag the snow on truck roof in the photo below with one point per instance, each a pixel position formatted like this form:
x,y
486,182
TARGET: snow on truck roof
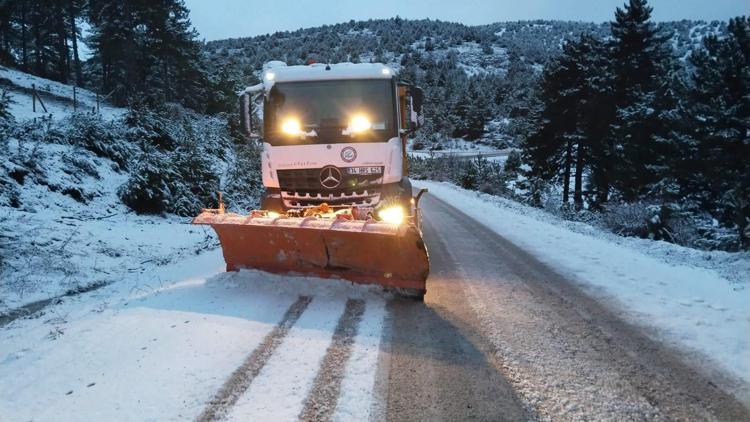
x,y
280,72
276,71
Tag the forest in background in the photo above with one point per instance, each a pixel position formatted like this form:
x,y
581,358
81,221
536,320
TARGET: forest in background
x,y
639,124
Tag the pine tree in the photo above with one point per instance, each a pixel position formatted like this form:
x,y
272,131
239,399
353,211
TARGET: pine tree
x,y
550,149
573,125
460,115
195,183
60,38
478,111
24,40
75,10
717,143
222,96
148,187
596,111
116,47
44,46
175,69
641,62
147,49
8,33
244,184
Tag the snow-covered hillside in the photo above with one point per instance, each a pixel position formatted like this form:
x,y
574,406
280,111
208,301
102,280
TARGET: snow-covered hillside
x,y
72,232
57,97
63,226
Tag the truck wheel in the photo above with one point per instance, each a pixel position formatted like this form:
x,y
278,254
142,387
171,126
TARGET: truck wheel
x,y
416,295
406,194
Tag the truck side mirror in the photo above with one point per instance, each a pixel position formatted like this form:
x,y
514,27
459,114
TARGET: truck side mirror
x,y
410,101
246,121
417,98
246,117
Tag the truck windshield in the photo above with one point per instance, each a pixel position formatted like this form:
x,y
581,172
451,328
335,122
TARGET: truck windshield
x,y
330,112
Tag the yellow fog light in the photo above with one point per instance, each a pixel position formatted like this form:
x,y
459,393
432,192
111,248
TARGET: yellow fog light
x,y
359,124
393,215
291,126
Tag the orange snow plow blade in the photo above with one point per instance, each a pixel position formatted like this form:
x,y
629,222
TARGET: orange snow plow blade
x,y
362,251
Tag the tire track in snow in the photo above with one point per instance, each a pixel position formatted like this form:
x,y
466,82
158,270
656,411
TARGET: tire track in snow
x,y
243,376
321,401
278,393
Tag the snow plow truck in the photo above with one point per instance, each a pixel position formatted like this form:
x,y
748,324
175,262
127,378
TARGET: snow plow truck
x,y
338,202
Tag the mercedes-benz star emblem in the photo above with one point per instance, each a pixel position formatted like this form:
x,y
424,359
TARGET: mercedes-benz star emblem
x,y
330,177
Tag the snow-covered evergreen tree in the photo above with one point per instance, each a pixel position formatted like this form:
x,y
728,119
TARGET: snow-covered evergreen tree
x,y
641,68
244,186
147,49
716,140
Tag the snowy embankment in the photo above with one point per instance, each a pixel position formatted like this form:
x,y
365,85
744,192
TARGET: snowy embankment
x,y
695,300
63,228
57,97
116,353
459,148
71,231
484,151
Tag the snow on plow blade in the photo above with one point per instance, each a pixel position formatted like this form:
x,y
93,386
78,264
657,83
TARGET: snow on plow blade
x,y
361,251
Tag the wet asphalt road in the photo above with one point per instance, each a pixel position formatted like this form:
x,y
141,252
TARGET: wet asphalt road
x,y
502,336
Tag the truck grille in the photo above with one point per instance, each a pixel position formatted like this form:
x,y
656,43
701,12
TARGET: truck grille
x,y
309,180
299,179
302,199
302,188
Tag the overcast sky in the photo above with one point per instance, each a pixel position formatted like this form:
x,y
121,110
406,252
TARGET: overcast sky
x,y
218,19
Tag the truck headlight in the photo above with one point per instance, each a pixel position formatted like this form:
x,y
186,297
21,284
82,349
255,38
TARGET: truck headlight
x,y
291,126
393,215
359,124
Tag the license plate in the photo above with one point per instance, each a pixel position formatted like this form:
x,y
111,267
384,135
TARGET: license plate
x,y
364,170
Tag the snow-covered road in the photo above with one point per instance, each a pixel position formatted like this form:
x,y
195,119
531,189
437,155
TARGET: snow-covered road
x,y
163,355
507,331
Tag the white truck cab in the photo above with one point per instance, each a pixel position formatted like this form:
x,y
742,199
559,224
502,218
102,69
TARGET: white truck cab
x,y
333,133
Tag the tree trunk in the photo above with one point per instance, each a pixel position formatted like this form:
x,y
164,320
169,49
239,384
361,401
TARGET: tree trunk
x,y
578,190
63,63
7,55
566,174
38,47
74,41
604,191
24,41
165,77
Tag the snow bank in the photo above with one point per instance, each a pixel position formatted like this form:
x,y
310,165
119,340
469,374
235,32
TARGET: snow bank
x,y
691,306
